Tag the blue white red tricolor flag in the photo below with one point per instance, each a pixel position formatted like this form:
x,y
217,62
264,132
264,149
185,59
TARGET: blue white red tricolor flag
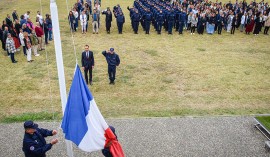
x,y
83,123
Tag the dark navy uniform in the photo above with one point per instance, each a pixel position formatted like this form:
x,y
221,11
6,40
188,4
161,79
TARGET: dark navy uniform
x,y
113,60
171,17
182,20
120,19
160,19
177,14
135,21
147,20
35,145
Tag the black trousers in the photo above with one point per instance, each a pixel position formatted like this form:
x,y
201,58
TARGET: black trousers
x,y
219,27
266,28
135,26
170,26
24,50
189,26
86,71
233,29
181,25
257,29
111,72
159,26
193,29
147,26
12,57
108,26
46,36
201,29
120,27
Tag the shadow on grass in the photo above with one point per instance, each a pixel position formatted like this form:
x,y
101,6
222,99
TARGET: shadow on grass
x,y
151,52
31,116
201,49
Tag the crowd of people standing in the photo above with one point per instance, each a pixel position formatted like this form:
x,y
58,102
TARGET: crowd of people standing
x,y
21,32
82,11
202,15
192,15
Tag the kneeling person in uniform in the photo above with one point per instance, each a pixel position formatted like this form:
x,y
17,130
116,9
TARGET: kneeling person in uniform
x,y
34,144
113,60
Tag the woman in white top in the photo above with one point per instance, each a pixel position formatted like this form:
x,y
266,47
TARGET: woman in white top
x,y
194,21
22,42
243,22
76,15
83,19
230,19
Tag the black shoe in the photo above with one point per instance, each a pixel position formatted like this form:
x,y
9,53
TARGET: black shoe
x,y
15,62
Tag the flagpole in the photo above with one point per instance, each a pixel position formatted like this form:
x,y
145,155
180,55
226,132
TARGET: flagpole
x,y
60,66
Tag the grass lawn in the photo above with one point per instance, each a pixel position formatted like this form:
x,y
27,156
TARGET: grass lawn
x,y
265,121
159,75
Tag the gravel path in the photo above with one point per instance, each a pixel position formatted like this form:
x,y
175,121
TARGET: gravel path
x,y
161,137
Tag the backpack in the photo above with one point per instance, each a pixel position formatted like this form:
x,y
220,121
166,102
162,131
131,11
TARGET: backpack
x,y
35,38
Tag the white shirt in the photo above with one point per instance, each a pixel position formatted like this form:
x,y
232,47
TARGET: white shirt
x,y
26,16
83,18
195,11
76,14
40,19
264,18
243,19
21,39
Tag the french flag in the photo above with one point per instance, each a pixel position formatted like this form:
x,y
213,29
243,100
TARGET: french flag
x,y
83,123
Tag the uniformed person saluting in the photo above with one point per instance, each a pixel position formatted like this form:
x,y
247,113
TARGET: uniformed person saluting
x,y
34,144
113,60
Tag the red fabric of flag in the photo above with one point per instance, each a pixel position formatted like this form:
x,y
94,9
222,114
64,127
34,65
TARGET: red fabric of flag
x,y
114,146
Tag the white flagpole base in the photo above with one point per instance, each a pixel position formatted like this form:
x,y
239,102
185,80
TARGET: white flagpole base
x,y
69,148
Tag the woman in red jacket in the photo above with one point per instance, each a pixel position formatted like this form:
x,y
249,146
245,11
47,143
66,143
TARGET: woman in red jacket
x,y
250,24
39,33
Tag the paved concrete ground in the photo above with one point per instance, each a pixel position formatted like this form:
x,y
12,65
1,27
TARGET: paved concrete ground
x,y
161,137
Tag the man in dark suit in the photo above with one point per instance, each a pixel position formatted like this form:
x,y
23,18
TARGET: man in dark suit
x,y
15,15
88,63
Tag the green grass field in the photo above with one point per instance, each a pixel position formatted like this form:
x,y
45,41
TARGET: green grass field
x,y
265,121
159,75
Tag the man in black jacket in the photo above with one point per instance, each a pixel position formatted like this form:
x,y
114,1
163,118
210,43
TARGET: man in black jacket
x,y
34,144
15,15
88,63
108,19
113,60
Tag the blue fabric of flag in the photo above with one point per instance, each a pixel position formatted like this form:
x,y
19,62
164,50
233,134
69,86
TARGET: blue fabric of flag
x,y
74,123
